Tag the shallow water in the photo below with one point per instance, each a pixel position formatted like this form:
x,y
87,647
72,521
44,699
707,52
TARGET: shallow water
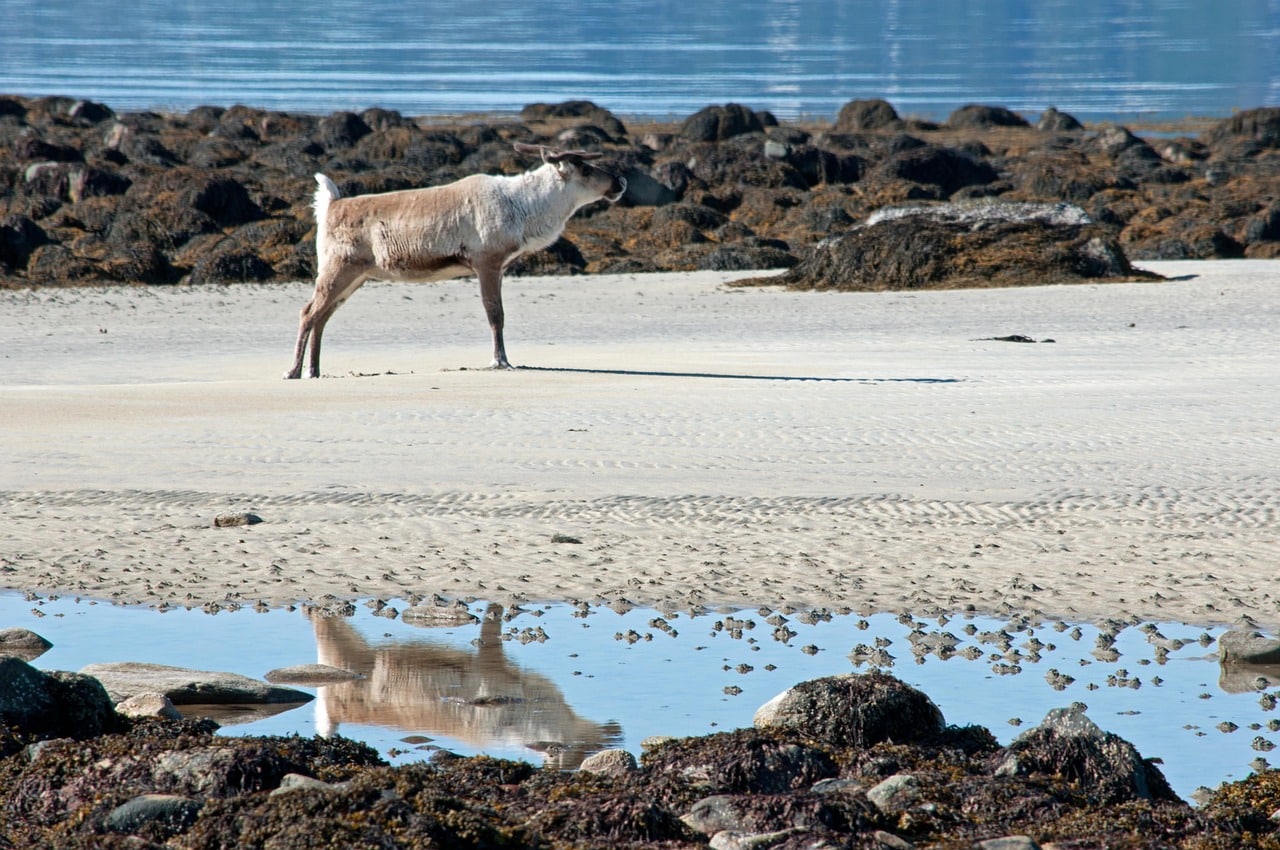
x,y
1097,60
596,677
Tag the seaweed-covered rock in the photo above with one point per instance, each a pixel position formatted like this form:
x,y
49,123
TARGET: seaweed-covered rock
x,y
981,116
859,115
853,710
964,245
717,123
1070,745
747,761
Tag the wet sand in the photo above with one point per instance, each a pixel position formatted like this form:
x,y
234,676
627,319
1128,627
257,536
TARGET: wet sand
x,y
671,442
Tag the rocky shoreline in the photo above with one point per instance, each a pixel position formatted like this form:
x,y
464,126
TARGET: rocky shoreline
x,y
221,195
102,759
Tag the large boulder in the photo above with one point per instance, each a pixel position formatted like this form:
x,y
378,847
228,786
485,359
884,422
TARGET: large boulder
x,y
1247,647
853,710
717,123
184,686
949,246
55,704
1106,767
857,116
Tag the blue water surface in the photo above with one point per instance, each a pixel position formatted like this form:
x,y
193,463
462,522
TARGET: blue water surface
x,y
555,682
1097,59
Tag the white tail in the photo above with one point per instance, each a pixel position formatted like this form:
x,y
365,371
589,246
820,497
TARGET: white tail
x,y
326,191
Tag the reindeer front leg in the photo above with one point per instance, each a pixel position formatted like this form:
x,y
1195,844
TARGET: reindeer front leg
x,y
490,273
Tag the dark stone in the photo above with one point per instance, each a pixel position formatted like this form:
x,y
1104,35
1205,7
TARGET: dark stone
x,y
223,199
954,245
30,148
54,704
1069,745
160,815
1258,125
19,236
341,130
946,168
717,123
236,265
1053,121
860,115
976,116
746,761
853,710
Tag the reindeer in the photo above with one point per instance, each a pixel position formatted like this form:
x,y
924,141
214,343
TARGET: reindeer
x,y
475,226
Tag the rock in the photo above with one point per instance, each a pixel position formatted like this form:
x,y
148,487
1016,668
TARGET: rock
x,y
56,704
1070,745
236,520
148,705
291,782
895,794
311,674
949,169
853,710
187,687
717,123
860,115
19,237
24,693
168,814
983,117
1054,121
1247,647
1258,125
1008,842
963,245
730,840
613,762
740,762
23,643
438,616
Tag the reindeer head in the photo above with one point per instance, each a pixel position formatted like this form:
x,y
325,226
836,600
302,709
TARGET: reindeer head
x,y
576,165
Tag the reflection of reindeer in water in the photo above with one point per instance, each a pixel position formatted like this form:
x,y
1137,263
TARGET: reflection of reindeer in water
x,y
476,696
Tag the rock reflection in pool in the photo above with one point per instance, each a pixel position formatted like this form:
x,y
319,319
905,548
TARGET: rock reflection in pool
x,y
477,696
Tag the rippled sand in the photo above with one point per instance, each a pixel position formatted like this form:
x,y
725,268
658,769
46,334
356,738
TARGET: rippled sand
x,y
706,445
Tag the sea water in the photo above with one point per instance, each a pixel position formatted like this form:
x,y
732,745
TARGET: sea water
x,y
1096,59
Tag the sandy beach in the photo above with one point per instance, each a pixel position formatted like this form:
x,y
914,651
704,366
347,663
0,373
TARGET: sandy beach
x,y
704,445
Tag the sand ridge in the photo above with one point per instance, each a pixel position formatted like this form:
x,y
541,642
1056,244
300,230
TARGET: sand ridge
x,y
708,446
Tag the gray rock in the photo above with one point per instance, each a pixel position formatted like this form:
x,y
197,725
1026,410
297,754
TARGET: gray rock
x,y
713,814
731,840
889,841
1009,842
187,687
429,616
311,674
895,794
170,812
979,213
1247,647
292,782
148,705
23,643
854,710
612,762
